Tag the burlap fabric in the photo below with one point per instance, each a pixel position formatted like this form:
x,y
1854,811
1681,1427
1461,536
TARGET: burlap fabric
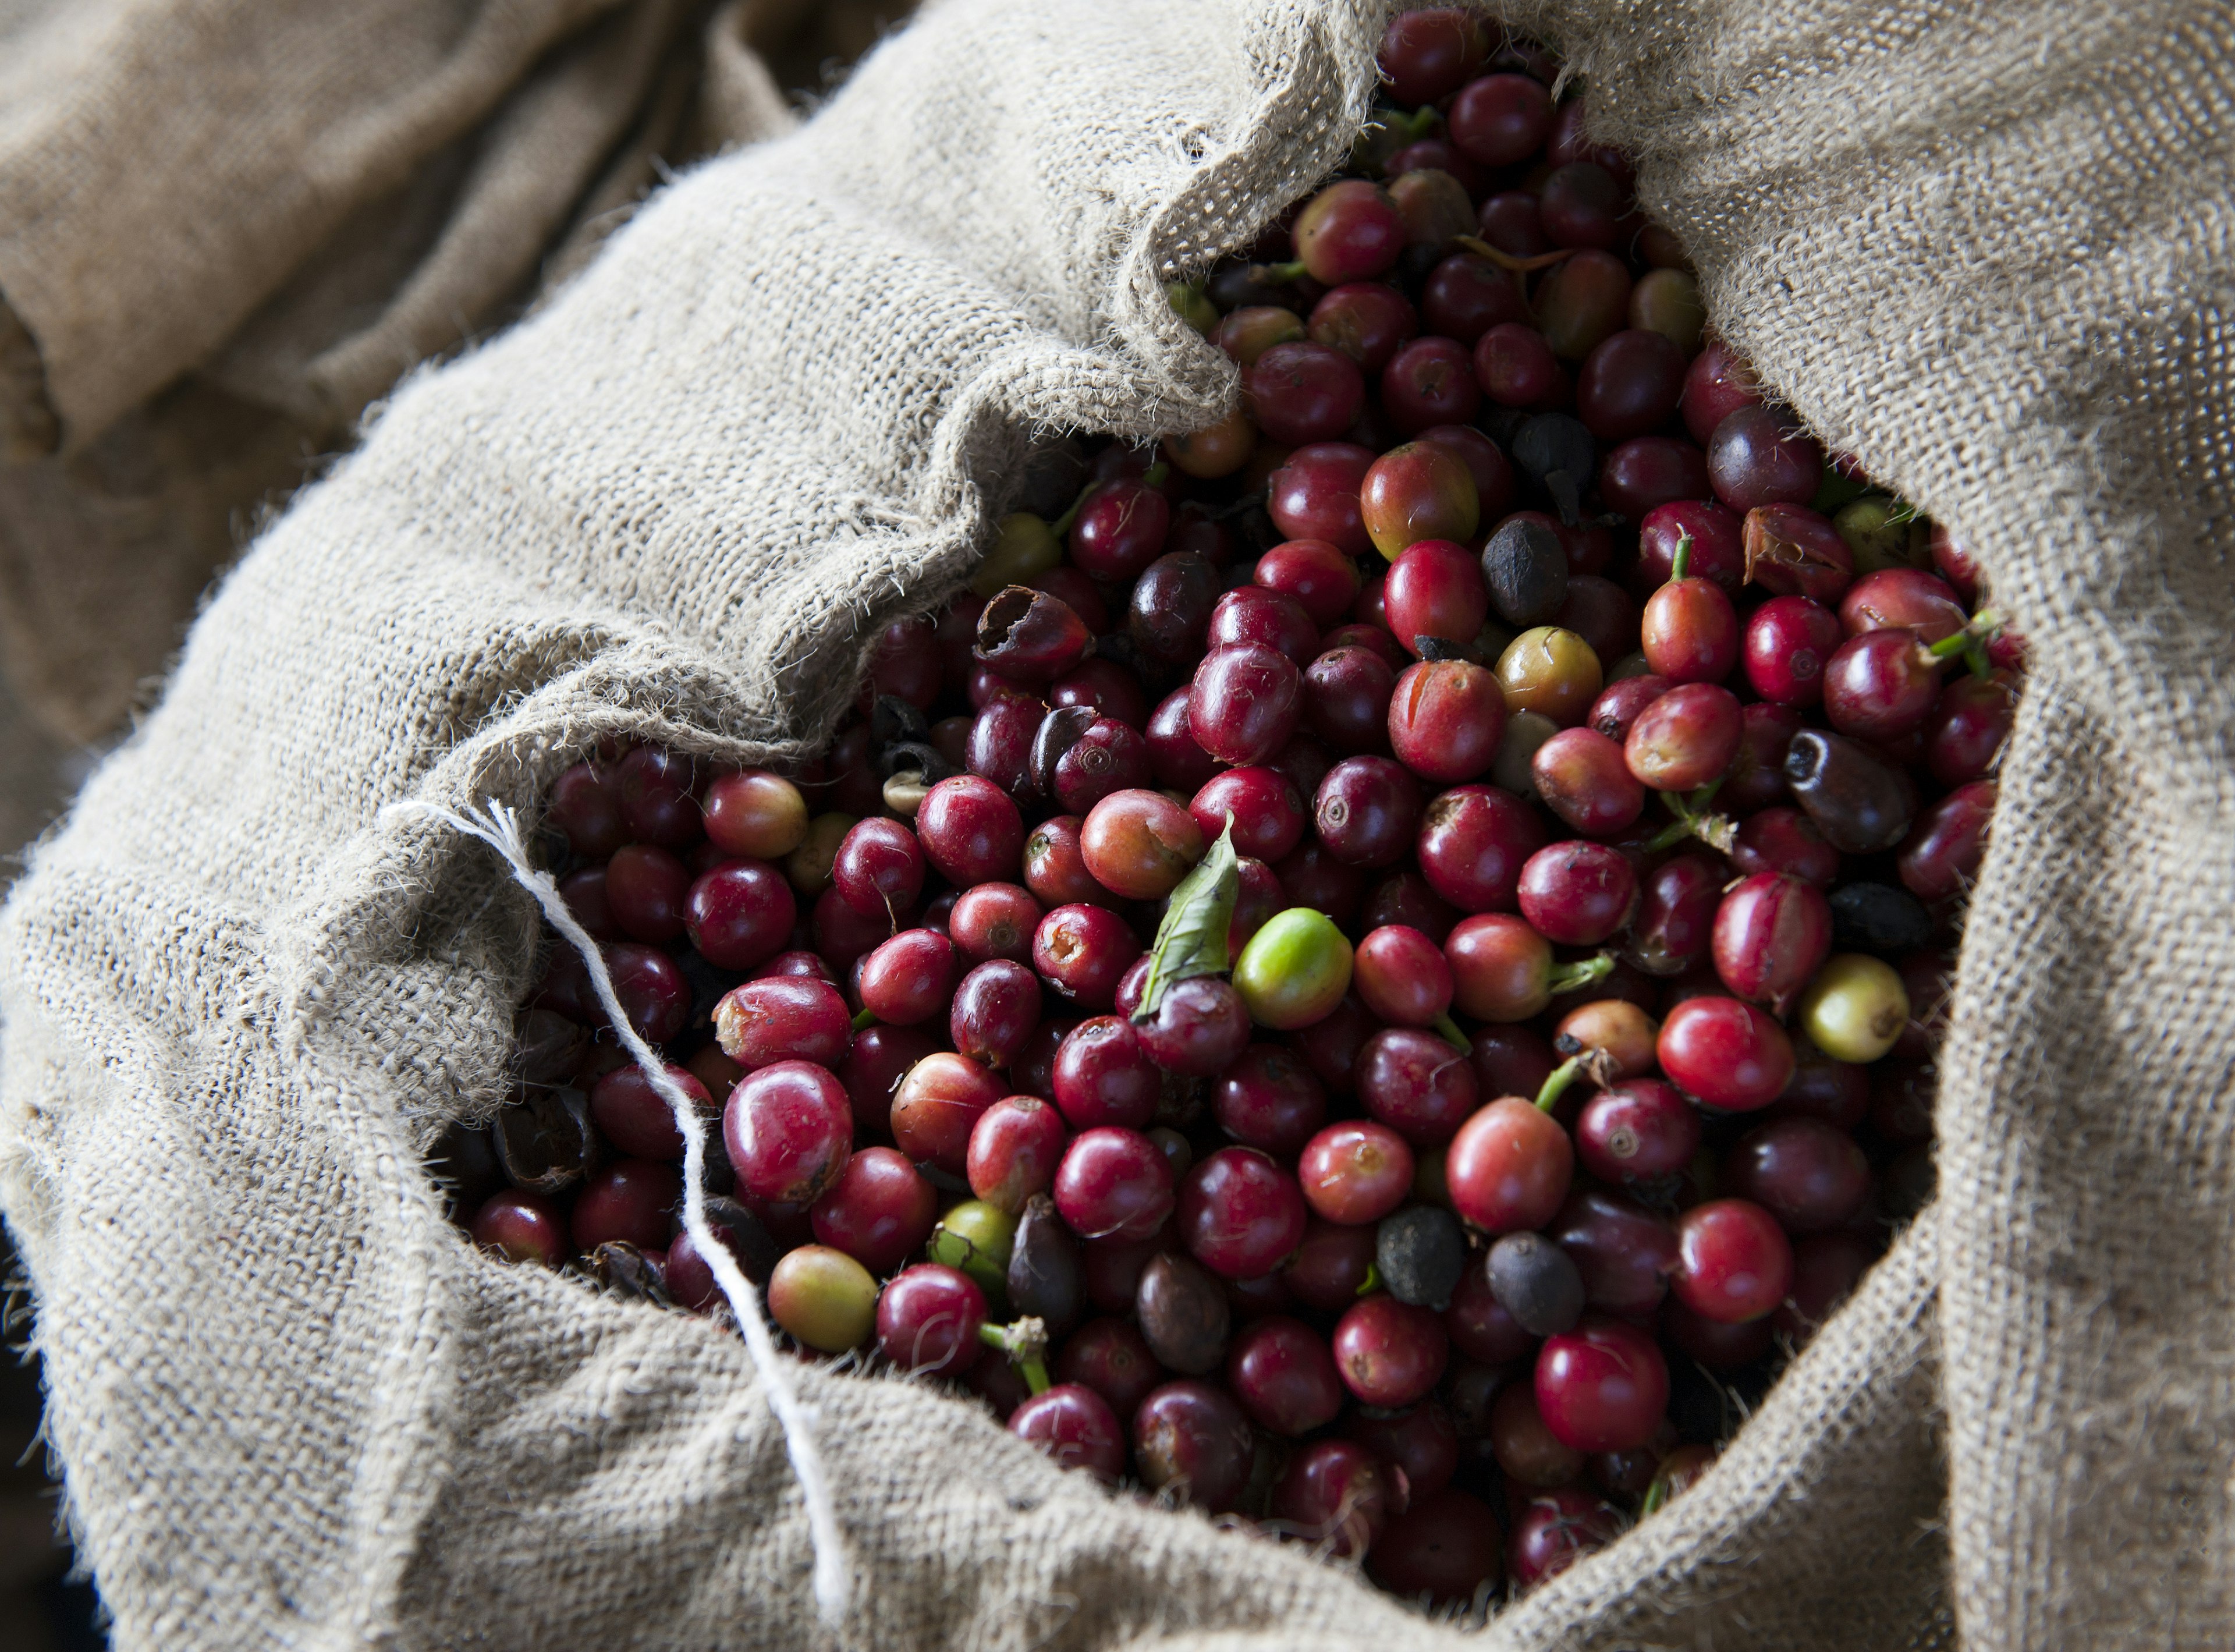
x,y
226,227
1983,248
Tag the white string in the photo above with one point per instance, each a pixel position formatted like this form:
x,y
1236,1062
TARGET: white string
x,y
496,825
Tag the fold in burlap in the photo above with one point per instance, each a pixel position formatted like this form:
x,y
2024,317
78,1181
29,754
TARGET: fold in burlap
x,y
225,230
1982,248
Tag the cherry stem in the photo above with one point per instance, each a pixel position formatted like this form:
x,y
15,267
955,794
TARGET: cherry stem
x,y
1372,1282
1505,260
1680,566
1281,272
1452,1036
1154,475
1026,1343
1586,972
1061,525
1657,1497
1548,1096
1970,642
1417,125
1718,831
865,1018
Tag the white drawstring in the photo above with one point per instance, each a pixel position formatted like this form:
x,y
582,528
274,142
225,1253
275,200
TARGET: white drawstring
x,y
496,825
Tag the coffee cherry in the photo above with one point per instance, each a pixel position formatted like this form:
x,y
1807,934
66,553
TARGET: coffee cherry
x,y
1552,672
1074,1426
936,1106
1239,1214
520,1226
1113,1185
1284,1376
878,1211
1315,495
1336,1493
1435,593
910,977
1728,1053
1367,810
1733,1261
1389,1352
1509,1167
636,1119
1192,1439
1558,1528
1640,1130
1294,970
1577,894
928,1320
1420,491
1446,1546
1756,457
1083,952
1355,1172
789,1128
824,1298
1245,703
1417,1083
1348,231
1603,1387
1854,1009
1772,933
740,914
1420,1254
1941,858
1446,718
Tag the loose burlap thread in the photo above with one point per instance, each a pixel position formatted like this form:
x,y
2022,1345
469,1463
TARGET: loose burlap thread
x,y
1983,249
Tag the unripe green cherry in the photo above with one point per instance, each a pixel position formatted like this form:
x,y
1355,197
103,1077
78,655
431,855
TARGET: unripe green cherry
x,y
1855,1008
1025,548
976,1238
824,1298
1294,970
1882,535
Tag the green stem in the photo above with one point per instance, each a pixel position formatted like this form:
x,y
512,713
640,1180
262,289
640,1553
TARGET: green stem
x,y
1372,1282
1670,835
1584,972
1452,1036
1279,273
1026,1343
865,1019
1154,475
1564,1075
1681,564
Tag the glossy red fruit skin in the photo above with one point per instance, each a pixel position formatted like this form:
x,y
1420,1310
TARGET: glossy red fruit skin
x,y
1969,727
1639,1131
1314,495
1346,700
1447,1547
635,1117
1401,975
1435,589
1348,231
1509,1167
629,1199
1515,366
1717,384
1367,810
994,920
740,914
586,805
1603,1387
1676,906
1581,777
1793,551
1718,546
928,1320
1686,738
1014,1149
1076,1426
910,977
789,1128
1330,1266
1430,382
1417,1083
1729,1054
1104,1077
1789,642
1445,720
522,1227
971,831
1500,120
1624,1252
1422,1442
1244,702
1302,392
1617,710
1250,615
1366,320
1942,854
1268,815
1241,1214
1484,460
936,1106
1389,1354
1784,840
1473,842
1733,1261
1268,1098
878,1211
1338,1493
1689,631
1880,686
1578,892
1192,1437
1083,952
1113,1185
1810,1175
1112,1358
1907,598
1650,471
1428,54
1511,1060
1282,1373
654,788
1557,1528
1771,934
790,1018
1315,572
1355,1172
644,891
1756,457
1118,531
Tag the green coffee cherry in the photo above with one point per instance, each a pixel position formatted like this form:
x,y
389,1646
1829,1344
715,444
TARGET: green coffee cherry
x,y
1294,970
1189,304
824,1298
1882,534
1025,548
1855,1008
976,1237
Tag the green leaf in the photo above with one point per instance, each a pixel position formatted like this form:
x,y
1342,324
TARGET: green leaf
x,y
1192,940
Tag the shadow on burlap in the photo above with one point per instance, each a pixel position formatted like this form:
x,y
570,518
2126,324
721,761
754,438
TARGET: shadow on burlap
x,y
1983,249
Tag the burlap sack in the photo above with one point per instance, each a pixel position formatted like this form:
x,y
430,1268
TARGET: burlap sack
x,y
1980,246
224,229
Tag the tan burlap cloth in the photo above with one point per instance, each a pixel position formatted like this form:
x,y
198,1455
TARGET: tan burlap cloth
x,y
1985,247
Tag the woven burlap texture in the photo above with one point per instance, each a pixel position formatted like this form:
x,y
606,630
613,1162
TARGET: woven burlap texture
x,y
1982,247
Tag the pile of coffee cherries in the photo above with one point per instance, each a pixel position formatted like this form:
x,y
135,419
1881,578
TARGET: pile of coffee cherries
x,y
1377,973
